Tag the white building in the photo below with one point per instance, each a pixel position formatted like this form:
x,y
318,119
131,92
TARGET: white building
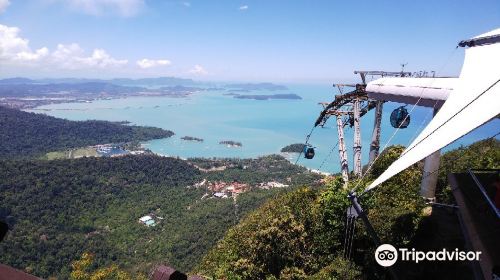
x,y
147,220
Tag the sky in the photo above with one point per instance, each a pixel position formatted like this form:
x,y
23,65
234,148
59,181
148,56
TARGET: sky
x,y
236,40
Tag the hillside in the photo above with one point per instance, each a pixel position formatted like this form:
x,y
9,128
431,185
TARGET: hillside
x,y
300,235
60,209
25,134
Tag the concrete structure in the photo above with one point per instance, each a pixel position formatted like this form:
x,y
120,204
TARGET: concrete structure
x,y
428,92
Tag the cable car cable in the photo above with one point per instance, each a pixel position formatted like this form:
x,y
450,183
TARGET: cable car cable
x,y
305,144
329,154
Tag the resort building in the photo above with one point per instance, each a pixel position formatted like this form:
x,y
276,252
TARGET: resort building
x,y
148,221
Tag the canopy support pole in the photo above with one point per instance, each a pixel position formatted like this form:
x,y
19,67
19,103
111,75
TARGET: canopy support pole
x,y
344,167
357,138
430,174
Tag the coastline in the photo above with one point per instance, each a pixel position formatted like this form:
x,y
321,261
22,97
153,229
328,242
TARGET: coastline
x,y
212,116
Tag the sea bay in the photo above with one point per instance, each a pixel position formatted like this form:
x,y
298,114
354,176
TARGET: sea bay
x,y
262,126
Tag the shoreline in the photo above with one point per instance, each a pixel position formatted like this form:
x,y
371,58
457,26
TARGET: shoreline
x,y
284,155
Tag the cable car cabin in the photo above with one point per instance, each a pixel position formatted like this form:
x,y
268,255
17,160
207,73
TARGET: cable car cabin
x,y
308,152
400,118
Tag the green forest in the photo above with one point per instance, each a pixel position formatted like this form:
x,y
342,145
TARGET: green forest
x,y
25,134
58,210
300,235
79,218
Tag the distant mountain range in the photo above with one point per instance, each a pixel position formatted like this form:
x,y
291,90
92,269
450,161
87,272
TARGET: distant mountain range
x,y
20,86
25,93
87,88
160,81
33,89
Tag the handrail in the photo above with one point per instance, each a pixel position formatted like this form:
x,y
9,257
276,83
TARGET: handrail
x,y
483,191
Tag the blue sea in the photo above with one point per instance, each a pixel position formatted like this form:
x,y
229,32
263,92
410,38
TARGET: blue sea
x,y
262,126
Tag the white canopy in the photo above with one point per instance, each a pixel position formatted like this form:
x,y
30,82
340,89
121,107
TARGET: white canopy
x,y
474,101
429,92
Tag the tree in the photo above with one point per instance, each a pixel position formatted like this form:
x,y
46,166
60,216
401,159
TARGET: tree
x,y
82,270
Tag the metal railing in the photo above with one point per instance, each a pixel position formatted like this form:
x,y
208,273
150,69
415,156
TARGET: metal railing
x,y
481,188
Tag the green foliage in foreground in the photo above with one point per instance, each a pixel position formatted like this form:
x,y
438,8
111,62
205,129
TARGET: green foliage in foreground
x,y
300,235
61,209
82,270
25,134
482,154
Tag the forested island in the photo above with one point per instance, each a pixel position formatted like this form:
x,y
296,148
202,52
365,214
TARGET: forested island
x,y
257,86
191,138
231,143
290,96
25,134
293,148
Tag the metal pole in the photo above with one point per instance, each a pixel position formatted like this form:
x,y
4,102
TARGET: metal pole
x,y
375,144
354,200
357,139
344,167
362,214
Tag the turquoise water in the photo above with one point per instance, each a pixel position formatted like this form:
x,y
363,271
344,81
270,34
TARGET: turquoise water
x,y
263,127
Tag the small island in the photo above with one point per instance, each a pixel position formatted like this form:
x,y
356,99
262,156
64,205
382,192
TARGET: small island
x,y
230,143
191,138
257,86
293,148
290,96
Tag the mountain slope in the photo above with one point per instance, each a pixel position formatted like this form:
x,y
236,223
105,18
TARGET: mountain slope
x,y
25,134
61,209
301,234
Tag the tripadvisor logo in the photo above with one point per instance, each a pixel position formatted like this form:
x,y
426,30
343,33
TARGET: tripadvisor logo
x,y
388,255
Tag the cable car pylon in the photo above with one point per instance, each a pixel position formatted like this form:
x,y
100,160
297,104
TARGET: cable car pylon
x,y
348,108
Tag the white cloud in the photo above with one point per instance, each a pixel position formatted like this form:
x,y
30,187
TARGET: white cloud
x,y
198,70
15,48
16,51
100,58
244,7
32,56
124,8
149,63
186,4
3,5
72,56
